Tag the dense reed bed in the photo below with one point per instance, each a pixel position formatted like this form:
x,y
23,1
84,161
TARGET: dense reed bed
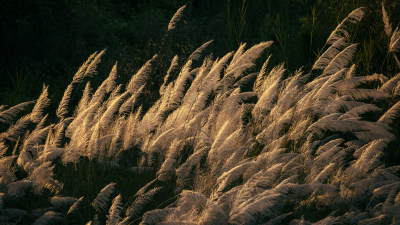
x,y
225,143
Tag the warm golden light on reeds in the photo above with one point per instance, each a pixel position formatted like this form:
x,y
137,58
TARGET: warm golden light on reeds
x,y
297,144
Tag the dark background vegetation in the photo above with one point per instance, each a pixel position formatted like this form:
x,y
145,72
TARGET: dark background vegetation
x,y
45,41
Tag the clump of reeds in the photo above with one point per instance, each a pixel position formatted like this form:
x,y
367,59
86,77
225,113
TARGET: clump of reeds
x,y
225,143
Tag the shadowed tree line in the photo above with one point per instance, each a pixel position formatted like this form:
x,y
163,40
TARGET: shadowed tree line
x,y
45,41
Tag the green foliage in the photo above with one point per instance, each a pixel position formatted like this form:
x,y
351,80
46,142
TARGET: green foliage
x,y
19,89
236,22
299,29
49,39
